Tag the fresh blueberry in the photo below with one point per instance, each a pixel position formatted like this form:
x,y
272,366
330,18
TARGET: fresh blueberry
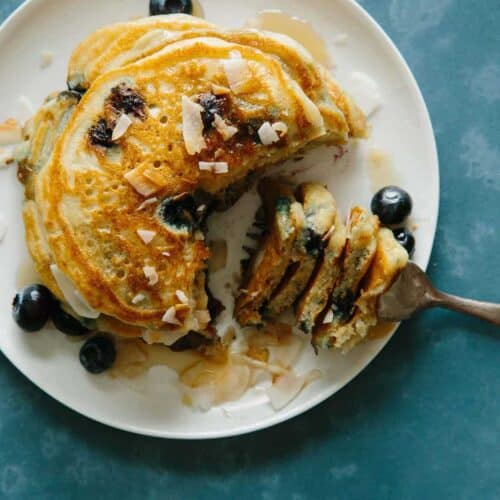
x,y
392,205
66,323
97,354
32,306
405,238
157,7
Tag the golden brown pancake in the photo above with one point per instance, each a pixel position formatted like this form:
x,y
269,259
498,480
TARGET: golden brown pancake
x,y
198,119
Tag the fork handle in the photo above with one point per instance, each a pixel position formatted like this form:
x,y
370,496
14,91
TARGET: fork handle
x,y
487,311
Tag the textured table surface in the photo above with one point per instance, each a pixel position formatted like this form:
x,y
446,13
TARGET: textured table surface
x,y
422,421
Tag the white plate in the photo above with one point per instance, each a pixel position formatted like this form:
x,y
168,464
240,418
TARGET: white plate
x,y
401,128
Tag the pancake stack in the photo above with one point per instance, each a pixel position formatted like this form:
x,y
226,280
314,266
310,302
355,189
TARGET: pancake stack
x,y
166,119
332,273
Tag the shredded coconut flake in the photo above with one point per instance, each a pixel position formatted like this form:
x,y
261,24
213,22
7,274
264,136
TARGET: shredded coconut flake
x,y
267,134
10,132
166,254
169,316
217,167
151,275
281,128
138,298
288,387
46,58
182,296
237,73
328,317
203,316
121,127
146,235
143,184
145,203
192,126
225,130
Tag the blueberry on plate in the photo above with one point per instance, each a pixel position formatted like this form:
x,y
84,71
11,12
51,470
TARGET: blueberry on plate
x,y
157,7
405,238
66,323
97,354
32,306
392,205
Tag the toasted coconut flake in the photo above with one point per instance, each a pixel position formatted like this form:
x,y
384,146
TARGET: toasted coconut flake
x,y
10,132
267,134
281,128
140,183
166,254
192,126
145,203
182,296
138,298
328,317
216,167
121,127
203,316
151,275
46,58
237,73
219,90
169,316
225,130
288,387
327,235
221,167
146,235
72,295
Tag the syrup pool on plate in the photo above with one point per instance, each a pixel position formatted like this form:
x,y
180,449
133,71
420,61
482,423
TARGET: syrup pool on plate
x,y
296,28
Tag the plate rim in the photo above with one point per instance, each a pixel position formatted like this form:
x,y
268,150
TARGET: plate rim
x,y
15,17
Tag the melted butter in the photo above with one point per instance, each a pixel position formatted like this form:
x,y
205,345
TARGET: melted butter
x,y
381,171
381,330
296,28
26,274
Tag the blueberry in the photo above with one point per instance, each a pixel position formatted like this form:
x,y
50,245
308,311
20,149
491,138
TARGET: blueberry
x,y
392,205
405,238
97,354
66,323
157,7
32,306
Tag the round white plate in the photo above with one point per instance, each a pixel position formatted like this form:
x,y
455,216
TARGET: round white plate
x,y
401,129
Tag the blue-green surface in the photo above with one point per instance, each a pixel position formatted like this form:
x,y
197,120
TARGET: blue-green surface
x,y
421,422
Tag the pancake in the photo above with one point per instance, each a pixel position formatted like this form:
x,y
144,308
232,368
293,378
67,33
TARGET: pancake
x,y
361,246
389,260
342,117
319,210
285,221
192,130
88,59
315,297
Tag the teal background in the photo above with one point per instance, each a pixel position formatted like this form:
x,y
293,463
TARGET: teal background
x,y
422,421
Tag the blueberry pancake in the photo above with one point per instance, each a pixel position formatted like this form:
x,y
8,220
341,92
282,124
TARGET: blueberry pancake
x,y
315,297
285,221
319,210
343,119
124,43
362,230
125,194
389,260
